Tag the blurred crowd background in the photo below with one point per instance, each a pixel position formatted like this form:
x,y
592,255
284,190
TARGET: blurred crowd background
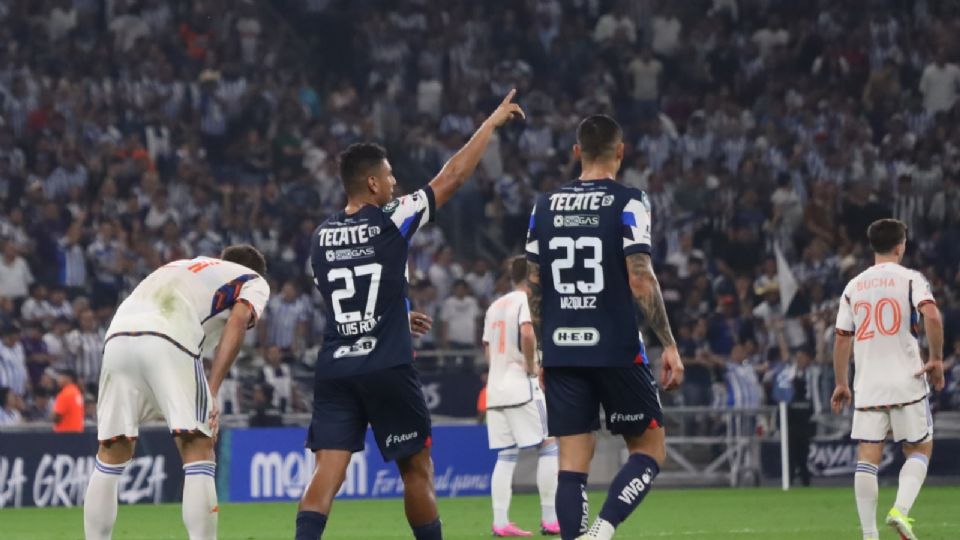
x,y
134,132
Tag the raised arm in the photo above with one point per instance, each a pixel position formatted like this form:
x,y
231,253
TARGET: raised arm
x,y
456,171
646,293
933,326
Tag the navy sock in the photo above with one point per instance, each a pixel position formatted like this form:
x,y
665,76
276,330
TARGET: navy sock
x,y
571,504
430,531
629,487
310,525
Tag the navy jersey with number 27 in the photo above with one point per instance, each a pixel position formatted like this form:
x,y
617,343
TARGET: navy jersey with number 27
x,y
360,267
580,236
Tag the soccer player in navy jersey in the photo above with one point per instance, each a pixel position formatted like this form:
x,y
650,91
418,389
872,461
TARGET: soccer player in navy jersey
x,y
364,371
588,249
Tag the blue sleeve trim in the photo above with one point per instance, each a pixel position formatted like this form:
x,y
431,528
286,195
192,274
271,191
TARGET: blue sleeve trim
x,y
407,223
628,219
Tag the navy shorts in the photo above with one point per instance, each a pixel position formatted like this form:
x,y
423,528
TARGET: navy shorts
x,y
390,401
628,395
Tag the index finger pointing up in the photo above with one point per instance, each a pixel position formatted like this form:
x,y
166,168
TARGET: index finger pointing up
x,y
509,98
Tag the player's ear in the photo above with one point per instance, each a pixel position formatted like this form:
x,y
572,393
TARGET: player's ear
x,y
372,186
576,151
620,150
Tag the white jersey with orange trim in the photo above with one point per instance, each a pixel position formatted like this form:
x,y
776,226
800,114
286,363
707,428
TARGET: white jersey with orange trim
x,y
189,301
880,310
508,384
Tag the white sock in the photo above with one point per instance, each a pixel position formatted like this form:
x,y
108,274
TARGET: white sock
x,y
200,508
912,475
865,487
602,530
100,500
501,486
547,470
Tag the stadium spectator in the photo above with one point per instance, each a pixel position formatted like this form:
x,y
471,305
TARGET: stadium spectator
x,y
13,361
460,319
10,406
68,407
264,415
85,348
15,274
277,374
939,84
286,323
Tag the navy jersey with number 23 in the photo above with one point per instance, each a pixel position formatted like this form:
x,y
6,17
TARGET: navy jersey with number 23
x,y
360,267
580,235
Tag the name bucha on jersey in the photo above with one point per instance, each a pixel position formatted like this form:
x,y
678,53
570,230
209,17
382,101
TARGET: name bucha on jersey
x,y
876,283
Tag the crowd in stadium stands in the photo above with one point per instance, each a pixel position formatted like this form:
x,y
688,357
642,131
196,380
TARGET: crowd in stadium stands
x,y
139,131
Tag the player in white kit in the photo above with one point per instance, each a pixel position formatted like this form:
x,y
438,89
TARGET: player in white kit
x,y
152,367
516,411
878,320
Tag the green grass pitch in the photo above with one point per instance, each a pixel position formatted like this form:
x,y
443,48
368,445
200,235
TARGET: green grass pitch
x,y
709,514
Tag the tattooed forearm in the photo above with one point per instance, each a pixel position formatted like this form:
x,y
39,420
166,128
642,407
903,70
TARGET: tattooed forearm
x,y
646,292
534,295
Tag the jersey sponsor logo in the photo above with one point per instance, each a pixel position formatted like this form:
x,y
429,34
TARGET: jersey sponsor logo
x,y
576,337
578,302
374,230
362,347
620,417
577,220
607,200
349,254
401,438
343,236
876,283
635,488
576,202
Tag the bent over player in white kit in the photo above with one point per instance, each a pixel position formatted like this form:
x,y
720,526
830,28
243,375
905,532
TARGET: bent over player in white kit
x,y
878,318
151,366
516,410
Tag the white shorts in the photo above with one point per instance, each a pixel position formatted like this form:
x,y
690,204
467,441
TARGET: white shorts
x,y
911,423
147,377
523,426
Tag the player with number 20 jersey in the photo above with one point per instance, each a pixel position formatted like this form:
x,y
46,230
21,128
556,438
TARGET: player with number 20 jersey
x,y
879,319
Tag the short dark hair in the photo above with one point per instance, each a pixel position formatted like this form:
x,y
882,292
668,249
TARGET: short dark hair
x,y
245,255
518,269
598,136
886,234
356,163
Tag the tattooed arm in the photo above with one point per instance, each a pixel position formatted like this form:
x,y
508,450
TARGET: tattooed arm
x,y
534,296
646,292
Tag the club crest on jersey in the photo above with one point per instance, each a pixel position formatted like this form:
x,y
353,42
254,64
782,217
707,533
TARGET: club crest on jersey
x,y
391,206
